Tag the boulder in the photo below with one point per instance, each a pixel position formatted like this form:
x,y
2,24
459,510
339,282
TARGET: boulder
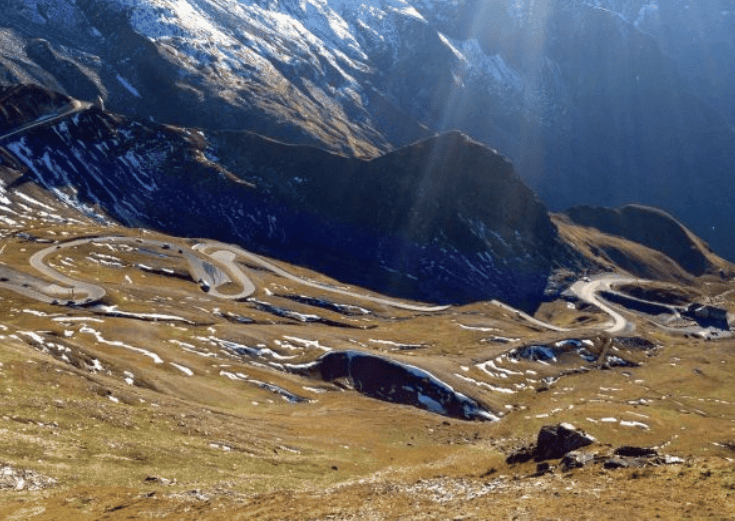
x,y
576,460
554,441
520,456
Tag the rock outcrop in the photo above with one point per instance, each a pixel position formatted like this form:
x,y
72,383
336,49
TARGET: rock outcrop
x,y
553,442
25,103
563,441
395,382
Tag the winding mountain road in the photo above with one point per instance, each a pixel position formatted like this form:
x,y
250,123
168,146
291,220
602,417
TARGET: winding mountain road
x,y
212,264
219,268
236,251
211,274
588,291
529,318
73,287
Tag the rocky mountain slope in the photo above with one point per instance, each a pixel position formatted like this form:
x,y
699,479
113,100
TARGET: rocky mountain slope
x,y
697,35
364,78
149,374
23,104
445,219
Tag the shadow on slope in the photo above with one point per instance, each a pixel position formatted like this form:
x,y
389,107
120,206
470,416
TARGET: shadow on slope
x,y
395,382
650,227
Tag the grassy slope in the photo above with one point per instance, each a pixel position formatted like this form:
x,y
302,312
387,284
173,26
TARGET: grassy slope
x,y
239,451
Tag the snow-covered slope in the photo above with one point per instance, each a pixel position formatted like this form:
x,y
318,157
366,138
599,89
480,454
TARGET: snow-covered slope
x,y
330,71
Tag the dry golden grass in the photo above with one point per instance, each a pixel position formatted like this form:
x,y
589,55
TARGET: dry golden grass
x,y
239,451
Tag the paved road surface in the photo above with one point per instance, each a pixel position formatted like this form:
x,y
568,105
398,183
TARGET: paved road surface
x,y
211,264
74,289
79,292
235,251
588,292
529,318
72,108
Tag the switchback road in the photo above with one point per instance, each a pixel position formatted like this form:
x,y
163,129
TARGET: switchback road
x,y
588,291
211,264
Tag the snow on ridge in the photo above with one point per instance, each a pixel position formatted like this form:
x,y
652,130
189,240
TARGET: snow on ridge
x,y
125,83
335,39
457,53
231,33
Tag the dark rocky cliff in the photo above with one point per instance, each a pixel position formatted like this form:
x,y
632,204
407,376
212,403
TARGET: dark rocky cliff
x,y
25,103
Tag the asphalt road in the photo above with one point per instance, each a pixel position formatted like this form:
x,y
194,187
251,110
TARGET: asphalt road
x,y
212,264
529,318
72,108
232,252
221,270
588,291
74,289
30,286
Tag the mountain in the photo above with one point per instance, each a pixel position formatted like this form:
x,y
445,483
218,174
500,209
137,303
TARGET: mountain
x,y
281,374
697,35
445,219
652,228
364,78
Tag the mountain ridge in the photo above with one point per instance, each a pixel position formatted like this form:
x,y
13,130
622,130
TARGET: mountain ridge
x,y
521,78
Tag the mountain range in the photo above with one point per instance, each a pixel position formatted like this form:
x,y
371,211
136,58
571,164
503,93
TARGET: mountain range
x,y
600,103
391,259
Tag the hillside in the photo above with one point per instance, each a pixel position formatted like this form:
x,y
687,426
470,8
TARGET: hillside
x,y
167,398
654,229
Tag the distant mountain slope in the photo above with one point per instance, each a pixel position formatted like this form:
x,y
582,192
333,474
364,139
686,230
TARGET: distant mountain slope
x,y
645,242
652,228
699,35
